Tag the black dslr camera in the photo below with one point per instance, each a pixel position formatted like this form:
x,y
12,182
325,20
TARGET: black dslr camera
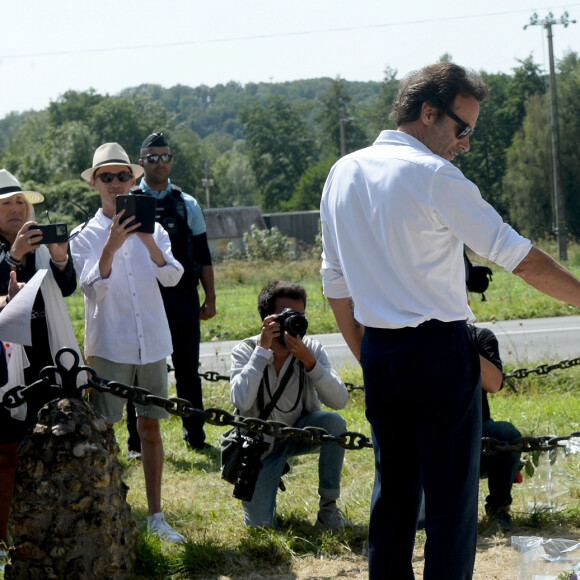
x,y
293,322
249,468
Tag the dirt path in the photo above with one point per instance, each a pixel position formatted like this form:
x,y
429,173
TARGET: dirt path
x,y
495,560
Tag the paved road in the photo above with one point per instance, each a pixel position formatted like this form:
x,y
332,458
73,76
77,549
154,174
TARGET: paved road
x,y
521,342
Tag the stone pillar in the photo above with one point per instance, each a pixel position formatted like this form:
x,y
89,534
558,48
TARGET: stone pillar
x,y
70,517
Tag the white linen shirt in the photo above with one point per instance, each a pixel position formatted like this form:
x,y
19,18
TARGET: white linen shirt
x,y
125,320
395,217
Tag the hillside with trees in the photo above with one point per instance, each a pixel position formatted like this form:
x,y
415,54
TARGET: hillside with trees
x,y
272,144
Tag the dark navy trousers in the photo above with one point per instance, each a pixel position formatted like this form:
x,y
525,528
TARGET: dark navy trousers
x,y
423,401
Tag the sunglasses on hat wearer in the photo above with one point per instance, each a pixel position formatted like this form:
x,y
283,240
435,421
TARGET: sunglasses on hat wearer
x,y
154,158
465,128
107,177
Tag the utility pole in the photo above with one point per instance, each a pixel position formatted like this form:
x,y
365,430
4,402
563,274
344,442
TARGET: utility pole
x,y
558,204
207,183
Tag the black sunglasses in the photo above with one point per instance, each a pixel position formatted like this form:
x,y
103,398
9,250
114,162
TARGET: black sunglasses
x,y
154,158
465,128
122,176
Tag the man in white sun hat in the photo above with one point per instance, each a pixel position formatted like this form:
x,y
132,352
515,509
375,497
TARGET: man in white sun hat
x,y
126,331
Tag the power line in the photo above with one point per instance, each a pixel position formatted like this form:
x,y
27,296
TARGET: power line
x,y
276,35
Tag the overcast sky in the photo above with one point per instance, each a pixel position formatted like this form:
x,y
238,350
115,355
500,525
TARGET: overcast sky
x,y
47,48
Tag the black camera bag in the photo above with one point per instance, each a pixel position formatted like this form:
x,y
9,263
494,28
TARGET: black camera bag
x,y
477,276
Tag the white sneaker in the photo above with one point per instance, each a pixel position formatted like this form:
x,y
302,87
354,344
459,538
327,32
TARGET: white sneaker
x,y
157,525
131,454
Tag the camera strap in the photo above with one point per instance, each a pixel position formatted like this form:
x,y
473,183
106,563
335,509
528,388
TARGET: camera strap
x,y
265,413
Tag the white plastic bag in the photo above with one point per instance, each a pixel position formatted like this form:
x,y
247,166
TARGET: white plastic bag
x,y
546,558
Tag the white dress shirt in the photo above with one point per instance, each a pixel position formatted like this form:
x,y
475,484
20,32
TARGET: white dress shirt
x,y
394,218
125,319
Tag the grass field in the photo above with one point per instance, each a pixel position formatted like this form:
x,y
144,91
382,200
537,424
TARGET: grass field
x,y
201,506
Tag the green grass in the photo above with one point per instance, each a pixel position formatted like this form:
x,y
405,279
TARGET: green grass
x,y
201,506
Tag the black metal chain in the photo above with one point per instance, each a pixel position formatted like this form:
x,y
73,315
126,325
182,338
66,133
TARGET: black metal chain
x,y
214,377
214,416
542,369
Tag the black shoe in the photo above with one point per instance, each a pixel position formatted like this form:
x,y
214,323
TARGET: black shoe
x,y
501,516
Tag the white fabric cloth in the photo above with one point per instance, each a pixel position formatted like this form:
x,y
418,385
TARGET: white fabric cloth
x,y
17,362
395,218
60,331
125,320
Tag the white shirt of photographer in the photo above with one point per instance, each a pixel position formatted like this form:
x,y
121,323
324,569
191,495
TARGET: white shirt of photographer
x,y
125,319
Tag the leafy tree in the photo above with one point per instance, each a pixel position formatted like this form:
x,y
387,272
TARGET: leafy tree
x,y
27,156
235,183
73,106
188,170
280,147
568,90
528,177
338,116
309,189
389,88
500,117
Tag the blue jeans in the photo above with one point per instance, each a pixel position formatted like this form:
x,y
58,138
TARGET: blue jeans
x,y
261,511
423,401
500,469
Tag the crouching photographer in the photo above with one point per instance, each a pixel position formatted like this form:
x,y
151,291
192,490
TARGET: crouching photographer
x,y
283,371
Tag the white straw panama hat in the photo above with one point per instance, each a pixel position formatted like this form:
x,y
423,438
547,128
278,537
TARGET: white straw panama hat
x,y
9,186
111,154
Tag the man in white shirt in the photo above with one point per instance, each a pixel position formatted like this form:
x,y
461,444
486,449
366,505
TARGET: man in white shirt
x,y
126,331
394,218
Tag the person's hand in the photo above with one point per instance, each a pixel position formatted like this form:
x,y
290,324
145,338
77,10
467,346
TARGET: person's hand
x,y
28,238
207,310
296,347
14,286
270,331
58,252
119,232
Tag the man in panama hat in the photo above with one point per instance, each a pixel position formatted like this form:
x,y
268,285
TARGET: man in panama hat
x,y
126,331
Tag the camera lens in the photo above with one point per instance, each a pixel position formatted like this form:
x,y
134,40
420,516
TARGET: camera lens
x,y
296,325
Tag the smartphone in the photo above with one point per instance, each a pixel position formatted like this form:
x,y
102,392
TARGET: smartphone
x,y
52,233
142,207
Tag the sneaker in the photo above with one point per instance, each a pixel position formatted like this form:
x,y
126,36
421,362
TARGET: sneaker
x,y
330,517
157,525
132,454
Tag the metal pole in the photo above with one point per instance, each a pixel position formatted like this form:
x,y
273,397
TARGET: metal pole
x,y
559,207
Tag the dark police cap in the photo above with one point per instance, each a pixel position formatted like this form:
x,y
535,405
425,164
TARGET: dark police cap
x,y
155,140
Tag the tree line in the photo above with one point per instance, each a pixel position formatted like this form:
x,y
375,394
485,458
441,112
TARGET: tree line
x,y
272,144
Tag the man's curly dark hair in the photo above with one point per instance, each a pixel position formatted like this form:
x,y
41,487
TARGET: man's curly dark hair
x,y
278,289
